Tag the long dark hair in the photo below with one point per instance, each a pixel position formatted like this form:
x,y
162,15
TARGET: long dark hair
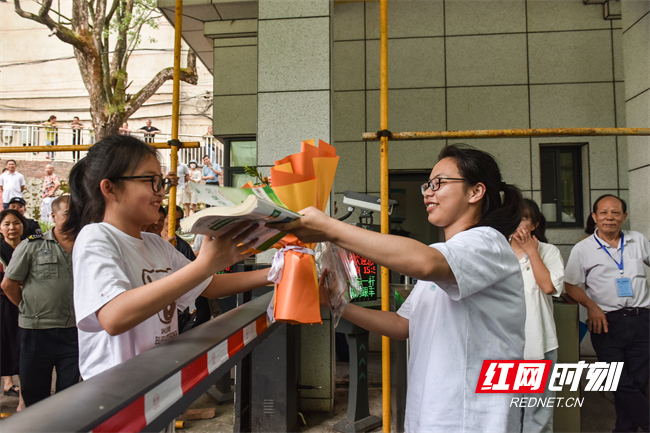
x,y
18,215
112,157
531,210
503,215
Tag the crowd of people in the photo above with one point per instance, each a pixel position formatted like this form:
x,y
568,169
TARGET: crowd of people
x,y
115,285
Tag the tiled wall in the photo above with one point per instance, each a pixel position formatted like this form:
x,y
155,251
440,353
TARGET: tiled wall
x,y
636,46
293,101
481,65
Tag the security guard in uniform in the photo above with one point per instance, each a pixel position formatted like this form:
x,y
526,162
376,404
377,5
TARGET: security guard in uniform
x,y
48,335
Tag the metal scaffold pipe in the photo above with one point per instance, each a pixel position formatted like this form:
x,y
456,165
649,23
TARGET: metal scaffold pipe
x,y
178,28
79,147
507,133
385,280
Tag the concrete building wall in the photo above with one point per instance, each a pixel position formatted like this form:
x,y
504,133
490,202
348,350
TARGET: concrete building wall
x,y
293,103
460,65
272,82
636,46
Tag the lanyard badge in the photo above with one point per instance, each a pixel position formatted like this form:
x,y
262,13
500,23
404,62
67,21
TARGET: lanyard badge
x,y
623,285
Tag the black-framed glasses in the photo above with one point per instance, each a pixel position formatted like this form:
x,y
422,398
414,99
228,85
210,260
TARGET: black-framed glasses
x,y
436,183
157,181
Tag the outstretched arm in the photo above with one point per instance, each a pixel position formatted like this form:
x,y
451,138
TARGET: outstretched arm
x,y
231,284
386,323
134,306
404,255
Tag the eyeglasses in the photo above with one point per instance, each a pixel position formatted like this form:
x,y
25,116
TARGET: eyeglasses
x,y
436,183
157,181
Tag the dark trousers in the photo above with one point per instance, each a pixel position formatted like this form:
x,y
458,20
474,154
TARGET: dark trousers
x,y
41,351
627,341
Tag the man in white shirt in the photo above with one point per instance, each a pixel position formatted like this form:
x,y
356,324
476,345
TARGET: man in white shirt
x,y
183,173
12,183
609,265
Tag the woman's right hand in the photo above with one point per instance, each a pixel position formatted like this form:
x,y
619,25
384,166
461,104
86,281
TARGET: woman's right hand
x,y
313,226
218,253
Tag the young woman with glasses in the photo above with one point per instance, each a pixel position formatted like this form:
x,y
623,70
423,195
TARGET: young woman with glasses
x,y
128,284
468,305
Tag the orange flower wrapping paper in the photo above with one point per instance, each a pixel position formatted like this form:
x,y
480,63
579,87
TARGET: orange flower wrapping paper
x,y
301,180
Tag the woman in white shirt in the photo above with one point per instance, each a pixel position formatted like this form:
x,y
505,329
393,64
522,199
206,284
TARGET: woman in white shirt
x,y
543,271
468,305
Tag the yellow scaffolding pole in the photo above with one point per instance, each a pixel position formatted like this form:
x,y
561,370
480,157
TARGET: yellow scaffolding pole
x,y
505,133
79,147
385,281
178,27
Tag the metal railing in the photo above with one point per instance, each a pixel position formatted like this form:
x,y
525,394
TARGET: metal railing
x,y
147,392
39,135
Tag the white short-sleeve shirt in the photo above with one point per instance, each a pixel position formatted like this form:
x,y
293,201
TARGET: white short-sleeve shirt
x,y
591,268
453,328
11,185
541,336
106,263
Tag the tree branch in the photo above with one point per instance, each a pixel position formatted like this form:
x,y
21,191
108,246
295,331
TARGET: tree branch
x,y
120,54
63,33
188,75
109,15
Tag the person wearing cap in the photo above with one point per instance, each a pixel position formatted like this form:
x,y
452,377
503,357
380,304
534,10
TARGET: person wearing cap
x,y
39,281
610,266
190,195
12,183
33,227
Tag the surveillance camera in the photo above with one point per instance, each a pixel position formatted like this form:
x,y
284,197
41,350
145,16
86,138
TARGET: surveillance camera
x,y
367,202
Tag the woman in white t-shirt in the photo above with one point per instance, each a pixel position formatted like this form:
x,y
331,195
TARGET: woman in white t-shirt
x,y
468,305
543,271
128,285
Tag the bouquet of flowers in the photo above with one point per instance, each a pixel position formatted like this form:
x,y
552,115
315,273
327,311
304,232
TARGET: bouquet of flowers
x,y
300,180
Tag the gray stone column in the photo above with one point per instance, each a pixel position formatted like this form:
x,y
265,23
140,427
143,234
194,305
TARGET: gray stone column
x,y
293,104
235,76
636,49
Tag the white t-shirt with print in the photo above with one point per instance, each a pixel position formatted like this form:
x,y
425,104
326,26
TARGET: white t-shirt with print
x,y
11,185
453,328
106,263
541,336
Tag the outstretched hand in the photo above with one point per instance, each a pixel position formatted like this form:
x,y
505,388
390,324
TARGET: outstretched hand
x,y
218,253
314,226
523,237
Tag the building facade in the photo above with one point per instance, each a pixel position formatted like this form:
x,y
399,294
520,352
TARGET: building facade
x,y
285,71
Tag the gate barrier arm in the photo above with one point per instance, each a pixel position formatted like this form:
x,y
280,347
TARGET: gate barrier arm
x,y
147,392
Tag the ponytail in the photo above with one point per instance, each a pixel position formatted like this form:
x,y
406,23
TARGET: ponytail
x,y
502,214
110,158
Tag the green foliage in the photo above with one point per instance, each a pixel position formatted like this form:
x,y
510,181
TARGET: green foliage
x,y
128,23
260,180
45,226
65,187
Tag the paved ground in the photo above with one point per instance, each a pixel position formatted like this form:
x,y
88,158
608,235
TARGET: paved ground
x,y
597,413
